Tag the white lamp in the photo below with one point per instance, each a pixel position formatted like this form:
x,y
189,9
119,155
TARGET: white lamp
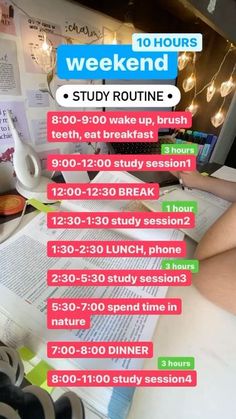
x,y
30,182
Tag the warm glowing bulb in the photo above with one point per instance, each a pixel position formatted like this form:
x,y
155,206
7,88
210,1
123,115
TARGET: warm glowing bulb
x,y
218,118
183,60
46,47
189,83
114,41
44,56
227,87
193,107
211,91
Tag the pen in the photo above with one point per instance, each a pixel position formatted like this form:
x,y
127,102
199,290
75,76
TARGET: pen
x,y
181,183
168,191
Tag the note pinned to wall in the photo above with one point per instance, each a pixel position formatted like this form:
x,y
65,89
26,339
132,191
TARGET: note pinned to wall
x,y
9,69
19,117
37,99
39,129
32,33
7,23
83,32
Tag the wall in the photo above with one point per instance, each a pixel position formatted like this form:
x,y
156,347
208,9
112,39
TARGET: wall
x,y
26,99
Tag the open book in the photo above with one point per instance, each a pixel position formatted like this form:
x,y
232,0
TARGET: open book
x,y
23,295
210,208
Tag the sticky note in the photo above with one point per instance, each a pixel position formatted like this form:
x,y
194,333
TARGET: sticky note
x,y
26,354
38,375
40,206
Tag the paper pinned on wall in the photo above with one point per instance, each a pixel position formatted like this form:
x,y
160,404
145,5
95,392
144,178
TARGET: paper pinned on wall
x,y
32,31
83,32
39,129
37,99
9,69
7,23
19,117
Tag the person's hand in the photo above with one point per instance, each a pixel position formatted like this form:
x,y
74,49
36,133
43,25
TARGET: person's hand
x,y
190,179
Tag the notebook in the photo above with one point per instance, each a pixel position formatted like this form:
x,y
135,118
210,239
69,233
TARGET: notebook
x,y
210,208
23,295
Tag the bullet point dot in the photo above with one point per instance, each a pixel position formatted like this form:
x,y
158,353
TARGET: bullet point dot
x,y
66,95
170,95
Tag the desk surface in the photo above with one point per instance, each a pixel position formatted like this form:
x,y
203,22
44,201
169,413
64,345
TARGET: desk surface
x,y
207,333
203,331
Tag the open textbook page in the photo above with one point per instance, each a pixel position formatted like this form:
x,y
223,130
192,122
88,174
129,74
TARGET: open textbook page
x,y
226,173
210,208
24,266
107,205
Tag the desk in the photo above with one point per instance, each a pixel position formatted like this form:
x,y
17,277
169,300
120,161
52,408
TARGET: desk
x,y
207,333
203,331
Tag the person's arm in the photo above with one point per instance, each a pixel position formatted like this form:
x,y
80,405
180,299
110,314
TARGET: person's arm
x,y
220,237
216,278
222,188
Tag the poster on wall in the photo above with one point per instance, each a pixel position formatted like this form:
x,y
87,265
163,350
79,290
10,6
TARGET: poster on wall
x,y
7,23
17,110
32,33
37,99
82,32
39,129
9,69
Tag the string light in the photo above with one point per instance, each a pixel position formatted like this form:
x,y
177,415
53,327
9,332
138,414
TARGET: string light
x,y
193,107
114,41
218,118
183,60
46,46
189,83
211,91
45,56
210,86
227,86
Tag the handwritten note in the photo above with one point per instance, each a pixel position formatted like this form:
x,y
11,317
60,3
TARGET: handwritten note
x,y
32,33
19,117
39,129
83,33
9,70
37,99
